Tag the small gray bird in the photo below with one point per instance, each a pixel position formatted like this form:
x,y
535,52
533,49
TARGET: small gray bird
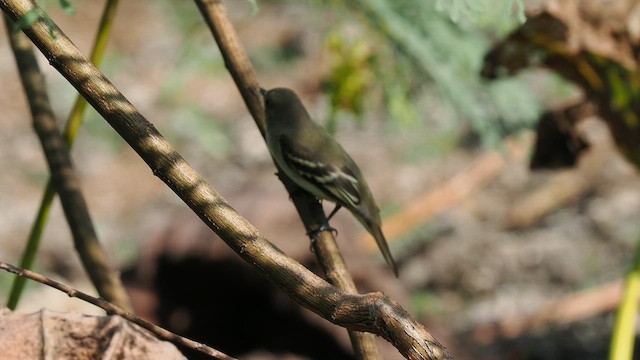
x,y
317,163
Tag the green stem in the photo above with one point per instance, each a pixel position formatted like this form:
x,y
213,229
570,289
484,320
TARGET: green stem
x,y
622,340
74,122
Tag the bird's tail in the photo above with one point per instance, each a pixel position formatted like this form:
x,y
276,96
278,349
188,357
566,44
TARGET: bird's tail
x,y
376,231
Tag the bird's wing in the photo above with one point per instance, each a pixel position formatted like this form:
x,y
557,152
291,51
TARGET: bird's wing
x,y
339,184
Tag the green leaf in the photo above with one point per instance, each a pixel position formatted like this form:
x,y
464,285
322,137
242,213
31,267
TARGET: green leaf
x,y
28,19
32,17
50,25
67,6
254,7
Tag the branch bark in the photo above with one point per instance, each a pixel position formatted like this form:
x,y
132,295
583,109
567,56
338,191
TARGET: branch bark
x,y
308,207
371,312
65,180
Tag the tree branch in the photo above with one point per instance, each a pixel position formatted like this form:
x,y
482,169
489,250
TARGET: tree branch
x,y
371,312
309,209
65,180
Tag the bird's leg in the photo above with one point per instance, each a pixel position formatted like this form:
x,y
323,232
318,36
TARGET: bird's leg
x,y
333,212
324,227
314,233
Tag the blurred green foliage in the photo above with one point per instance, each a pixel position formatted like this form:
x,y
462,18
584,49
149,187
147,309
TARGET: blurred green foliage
x,y
350,78
414,62
409,48
67,6
425,304
39,14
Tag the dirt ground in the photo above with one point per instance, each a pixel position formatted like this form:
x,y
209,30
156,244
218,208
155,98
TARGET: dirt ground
x,y
487,253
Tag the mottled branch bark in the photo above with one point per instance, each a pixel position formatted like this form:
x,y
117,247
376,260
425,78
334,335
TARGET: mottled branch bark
x,y
93,256
310,210
371,312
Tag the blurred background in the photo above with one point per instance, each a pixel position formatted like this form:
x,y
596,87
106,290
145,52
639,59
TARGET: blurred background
x,y
496,148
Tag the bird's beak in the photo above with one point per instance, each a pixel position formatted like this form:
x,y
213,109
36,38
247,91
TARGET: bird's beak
x,y
263,91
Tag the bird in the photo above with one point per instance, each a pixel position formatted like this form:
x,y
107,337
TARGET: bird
x,y
317,163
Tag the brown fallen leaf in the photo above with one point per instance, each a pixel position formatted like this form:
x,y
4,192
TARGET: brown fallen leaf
x,y
51,335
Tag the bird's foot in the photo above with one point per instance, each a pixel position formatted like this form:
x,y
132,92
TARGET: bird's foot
x,y
313,234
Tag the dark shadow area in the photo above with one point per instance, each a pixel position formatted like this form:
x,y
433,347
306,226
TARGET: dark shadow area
x,y
228,306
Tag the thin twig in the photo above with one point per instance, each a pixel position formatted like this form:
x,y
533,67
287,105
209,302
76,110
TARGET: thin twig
x,y
309,209
65,180
110,308
372,312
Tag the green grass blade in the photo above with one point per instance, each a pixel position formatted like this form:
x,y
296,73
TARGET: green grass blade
x,y
622,340
74,122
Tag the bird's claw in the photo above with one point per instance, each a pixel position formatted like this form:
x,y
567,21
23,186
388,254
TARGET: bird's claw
x,y
313,234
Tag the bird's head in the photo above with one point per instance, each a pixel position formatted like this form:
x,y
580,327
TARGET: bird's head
x,y
282,104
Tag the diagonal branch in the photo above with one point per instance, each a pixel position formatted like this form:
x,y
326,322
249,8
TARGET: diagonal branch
x,y
65,180
371,312
310,210
74,121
